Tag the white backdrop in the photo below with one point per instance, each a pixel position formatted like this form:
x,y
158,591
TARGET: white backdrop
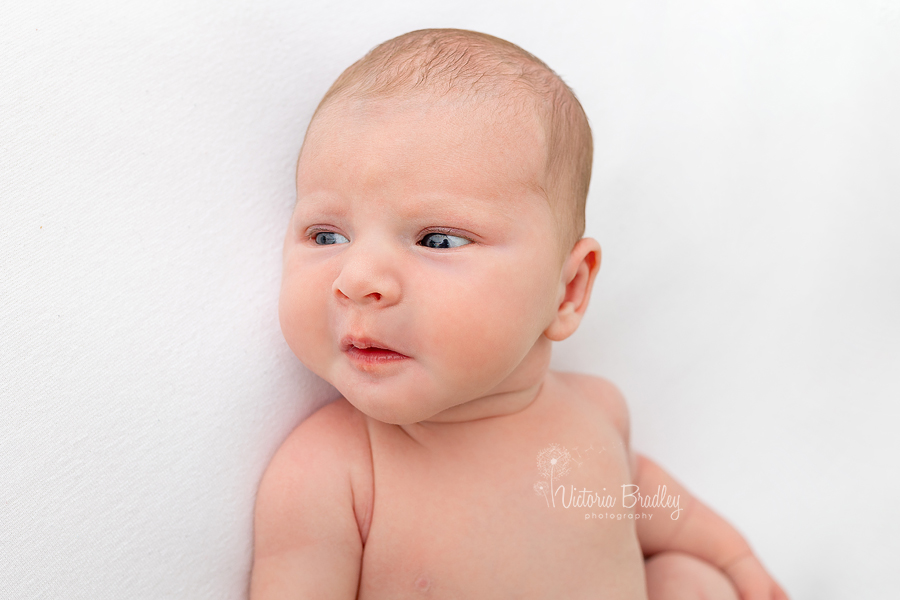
x,y
746,194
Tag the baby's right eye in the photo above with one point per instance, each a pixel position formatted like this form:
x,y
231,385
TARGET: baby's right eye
x,y
326,238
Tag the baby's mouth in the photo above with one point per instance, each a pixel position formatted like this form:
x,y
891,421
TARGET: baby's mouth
x,y
369,351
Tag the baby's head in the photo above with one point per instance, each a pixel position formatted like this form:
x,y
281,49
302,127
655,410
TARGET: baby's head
x,y
435,250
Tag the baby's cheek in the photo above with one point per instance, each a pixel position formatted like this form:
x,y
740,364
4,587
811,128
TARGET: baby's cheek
x,y
480,339
303,321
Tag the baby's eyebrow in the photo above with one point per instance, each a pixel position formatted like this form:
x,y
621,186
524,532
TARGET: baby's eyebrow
x,y
322,202
475,216
461,206
439,208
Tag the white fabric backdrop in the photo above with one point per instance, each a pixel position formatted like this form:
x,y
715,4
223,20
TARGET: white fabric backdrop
x,y
746,190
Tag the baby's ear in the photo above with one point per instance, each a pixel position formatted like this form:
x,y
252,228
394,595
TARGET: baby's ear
x,y
578,274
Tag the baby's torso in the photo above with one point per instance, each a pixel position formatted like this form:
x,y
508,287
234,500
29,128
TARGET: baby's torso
x,y
524,506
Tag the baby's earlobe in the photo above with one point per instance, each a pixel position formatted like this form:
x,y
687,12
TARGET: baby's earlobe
x,y
566,322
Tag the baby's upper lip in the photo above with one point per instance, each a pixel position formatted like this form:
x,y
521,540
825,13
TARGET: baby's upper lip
x,y
361,342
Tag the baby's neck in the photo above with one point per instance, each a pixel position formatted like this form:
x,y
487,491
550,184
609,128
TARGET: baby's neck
x,y
496,405
519,391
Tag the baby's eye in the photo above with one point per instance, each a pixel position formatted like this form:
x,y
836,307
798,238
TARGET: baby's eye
x,y
442,240
325,238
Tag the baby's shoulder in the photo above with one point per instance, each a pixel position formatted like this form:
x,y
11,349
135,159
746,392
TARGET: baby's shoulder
x,y
338,420
335,434
600,394
325,452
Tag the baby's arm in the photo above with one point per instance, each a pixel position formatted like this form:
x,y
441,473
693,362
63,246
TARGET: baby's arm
x,y
700,532
307,539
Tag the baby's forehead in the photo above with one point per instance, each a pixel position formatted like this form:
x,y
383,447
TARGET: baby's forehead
x,y
427,135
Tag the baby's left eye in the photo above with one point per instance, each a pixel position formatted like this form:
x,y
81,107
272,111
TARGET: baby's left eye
x,y
442,240
327,238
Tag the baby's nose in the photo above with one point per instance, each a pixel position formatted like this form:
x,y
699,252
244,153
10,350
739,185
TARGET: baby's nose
x,y
368,276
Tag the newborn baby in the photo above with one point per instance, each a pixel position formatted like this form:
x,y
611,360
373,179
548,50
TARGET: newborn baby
x,y
434,256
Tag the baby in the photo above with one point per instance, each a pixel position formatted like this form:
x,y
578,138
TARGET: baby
x,y
434,256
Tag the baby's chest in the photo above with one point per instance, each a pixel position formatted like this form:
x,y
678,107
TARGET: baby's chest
x,y
527,520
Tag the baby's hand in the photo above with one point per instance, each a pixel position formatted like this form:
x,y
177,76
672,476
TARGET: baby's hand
x,y
752,581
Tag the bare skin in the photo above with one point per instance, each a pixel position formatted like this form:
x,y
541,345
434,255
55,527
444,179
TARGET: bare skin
x,y
459,498
422,278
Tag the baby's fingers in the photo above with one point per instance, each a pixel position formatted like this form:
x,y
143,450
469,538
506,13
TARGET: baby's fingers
x,y
753,582
778,593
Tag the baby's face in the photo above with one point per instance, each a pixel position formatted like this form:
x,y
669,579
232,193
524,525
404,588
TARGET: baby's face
x,y
421,262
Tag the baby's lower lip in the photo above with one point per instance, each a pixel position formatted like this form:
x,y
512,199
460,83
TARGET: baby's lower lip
x,y
374,355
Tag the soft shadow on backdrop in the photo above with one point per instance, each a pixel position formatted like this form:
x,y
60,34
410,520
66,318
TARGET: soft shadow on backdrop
x,y
745,193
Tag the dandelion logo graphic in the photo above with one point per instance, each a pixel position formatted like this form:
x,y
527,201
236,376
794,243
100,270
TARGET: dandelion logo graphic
x,y
553,462
540,488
